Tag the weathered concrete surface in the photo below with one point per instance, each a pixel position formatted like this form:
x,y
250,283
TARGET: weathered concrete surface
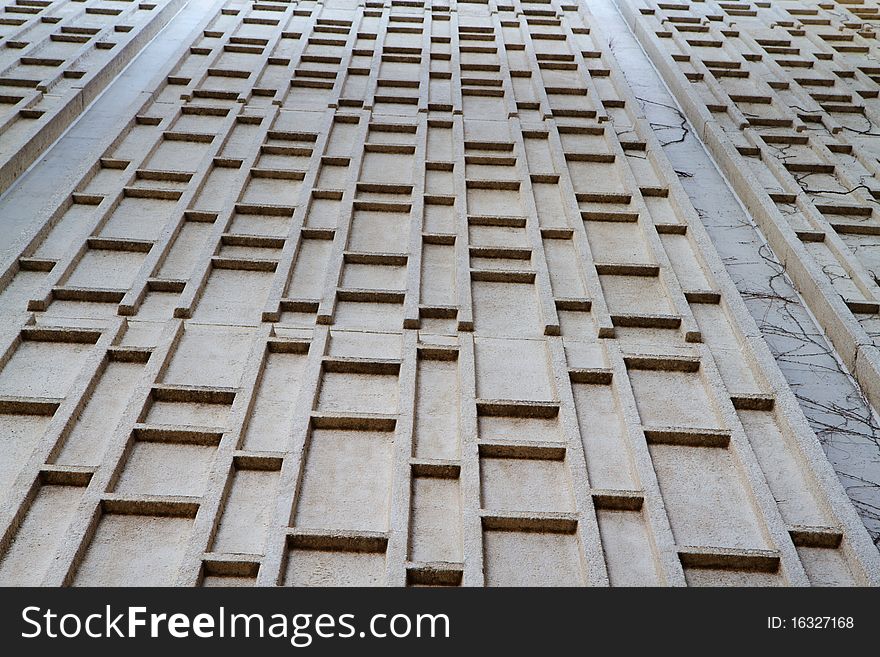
x,y
344,295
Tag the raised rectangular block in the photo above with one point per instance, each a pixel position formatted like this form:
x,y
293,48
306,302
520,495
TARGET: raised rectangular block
x,y
166,469
21,435
513,369
705,498
40,536
435,532
209,356
629,555
519,484
347,481
134,551
515,558
247,515
269,423
87,440
436,434
43,369
334,568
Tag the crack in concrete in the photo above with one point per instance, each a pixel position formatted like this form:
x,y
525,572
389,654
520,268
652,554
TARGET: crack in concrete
x,y
832,401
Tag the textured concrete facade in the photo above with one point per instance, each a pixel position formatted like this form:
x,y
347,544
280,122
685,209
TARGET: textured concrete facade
x,y
405,293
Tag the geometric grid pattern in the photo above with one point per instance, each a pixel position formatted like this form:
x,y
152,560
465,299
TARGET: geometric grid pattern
x,y
56,56
398,293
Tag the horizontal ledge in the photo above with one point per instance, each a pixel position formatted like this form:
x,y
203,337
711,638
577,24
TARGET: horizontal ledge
x,y
627,269
387,259
438,312
383,188
671,229
815,537
198,137
654,192
575,304
151,505
153,193
617,500
66,475
483,145
351,365
557,233
435,468
278,174
437,352
129,354
407,128
702,296
371,295
193,394
231,565
178,434
604,197
114,163
843,228
343,540
434,573
505,221
753,402
862,307
687,436
354,421
227,162
259,241
550,522
501,252
439,199
604,158
810,235
265,209
285,135
87,199
327,194
609,216
593,375
279,345
244,264
668,363
755,560
119,244
442,239
294,151
60,334
268,461
299,305
394,149
490,160
28,405
533,450
776,197
88,294
318,233
517,408
166,285
633,320
26,263
502,276
382,206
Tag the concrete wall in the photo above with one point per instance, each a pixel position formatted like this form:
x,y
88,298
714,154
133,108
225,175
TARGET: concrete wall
x,y
391,295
